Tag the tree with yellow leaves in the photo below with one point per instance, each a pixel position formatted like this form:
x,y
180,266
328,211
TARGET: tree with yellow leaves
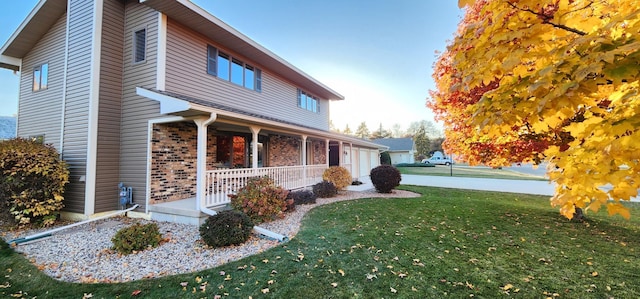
x,y
556,81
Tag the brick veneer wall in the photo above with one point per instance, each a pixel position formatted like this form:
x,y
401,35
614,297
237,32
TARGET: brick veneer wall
x,y
174,160
319,150
284,150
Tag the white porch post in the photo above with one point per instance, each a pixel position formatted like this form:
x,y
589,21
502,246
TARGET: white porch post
x,y
341,155
201,168
304,150
304,159
254,147
351,158
326,142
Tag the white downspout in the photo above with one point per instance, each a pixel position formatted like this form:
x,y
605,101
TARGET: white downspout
x,y
254,148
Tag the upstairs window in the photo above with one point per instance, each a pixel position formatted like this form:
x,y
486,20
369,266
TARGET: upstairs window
x,y
41,77
140,45
307,101
223,66
228,68
237,73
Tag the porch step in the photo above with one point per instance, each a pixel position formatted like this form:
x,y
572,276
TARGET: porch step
x,y
182,211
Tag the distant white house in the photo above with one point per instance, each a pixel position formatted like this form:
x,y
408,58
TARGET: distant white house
x,y
401,150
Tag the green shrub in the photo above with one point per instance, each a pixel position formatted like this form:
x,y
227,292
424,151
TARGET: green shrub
x,y
32,181
290,203
325,189
385,158
226,228
303,197
137,237
260,199
385,178
339,176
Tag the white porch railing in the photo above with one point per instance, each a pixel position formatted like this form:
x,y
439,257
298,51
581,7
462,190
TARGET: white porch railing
x,y
222,182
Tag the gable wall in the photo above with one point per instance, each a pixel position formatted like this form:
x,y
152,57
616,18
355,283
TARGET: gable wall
x,y
39,112
137,110
187,75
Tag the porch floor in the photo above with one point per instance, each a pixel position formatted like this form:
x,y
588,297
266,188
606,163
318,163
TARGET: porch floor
x,y
186,211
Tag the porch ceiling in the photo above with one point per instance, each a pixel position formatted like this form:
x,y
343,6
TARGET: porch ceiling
x,y
177,104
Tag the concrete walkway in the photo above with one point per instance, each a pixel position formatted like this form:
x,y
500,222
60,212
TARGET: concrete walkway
x,y
514,186
482,184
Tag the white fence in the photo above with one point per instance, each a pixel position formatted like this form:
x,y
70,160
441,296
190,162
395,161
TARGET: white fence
x,y
221,183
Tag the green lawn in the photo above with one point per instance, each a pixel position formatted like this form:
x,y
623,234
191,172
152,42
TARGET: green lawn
x,y
466,171
446,243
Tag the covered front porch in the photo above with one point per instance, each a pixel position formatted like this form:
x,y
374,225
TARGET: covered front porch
x,y
194,176
199,155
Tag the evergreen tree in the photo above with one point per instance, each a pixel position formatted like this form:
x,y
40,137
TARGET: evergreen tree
x,y
422,142
347,130
362,131
380,133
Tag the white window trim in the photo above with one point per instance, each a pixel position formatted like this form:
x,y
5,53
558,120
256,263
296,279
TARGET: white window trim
x,y
39,68
257,72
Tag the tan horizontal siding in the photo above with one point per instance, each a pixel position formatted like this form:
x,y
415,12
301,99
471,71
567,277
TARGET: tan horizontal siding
x,y
110,107
187,75
136,110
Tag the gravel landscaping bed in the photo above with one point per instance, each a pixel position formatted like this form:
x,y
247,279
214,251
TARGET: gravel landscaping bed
x,y
83,254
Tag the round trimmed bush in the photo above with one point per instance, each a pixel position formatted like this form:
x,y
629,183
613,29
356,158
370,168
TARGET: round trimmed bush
x,y
338,175
226,228
385,178
303,197
325,189
32,181
137,237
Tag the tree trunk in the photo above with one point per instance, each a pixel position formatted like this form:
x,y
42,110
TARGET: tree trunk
x,y
578,215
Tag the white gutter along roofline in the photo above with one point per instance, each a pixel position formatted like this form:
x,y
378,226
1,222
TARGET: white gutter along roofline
x,y
174,105
217,22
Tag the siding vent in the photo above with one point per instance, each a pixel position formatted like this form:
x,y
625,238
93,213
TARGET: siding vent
x,y
140,45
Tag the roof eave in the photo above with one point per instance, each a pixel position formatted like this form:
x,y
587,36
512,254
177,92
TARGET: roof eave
x,y
176,106
31,30
192,16
12,63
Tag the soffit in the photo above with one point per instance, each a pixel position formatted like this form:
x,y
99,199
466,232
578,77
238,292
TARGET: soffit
x,y
37,23
199,20
177,104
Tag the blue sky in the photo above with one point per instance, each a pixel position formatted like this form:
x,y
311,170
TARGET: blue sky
x,y
377,53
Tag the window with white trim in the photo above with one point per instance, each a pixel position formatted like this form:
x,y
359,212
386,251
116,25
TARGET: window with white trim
x,y
229,68
308,102
140,45
41,77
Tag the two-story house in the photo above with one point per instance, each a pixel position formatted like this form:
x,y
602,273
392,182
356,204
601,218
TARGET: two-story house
x,y
166,98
